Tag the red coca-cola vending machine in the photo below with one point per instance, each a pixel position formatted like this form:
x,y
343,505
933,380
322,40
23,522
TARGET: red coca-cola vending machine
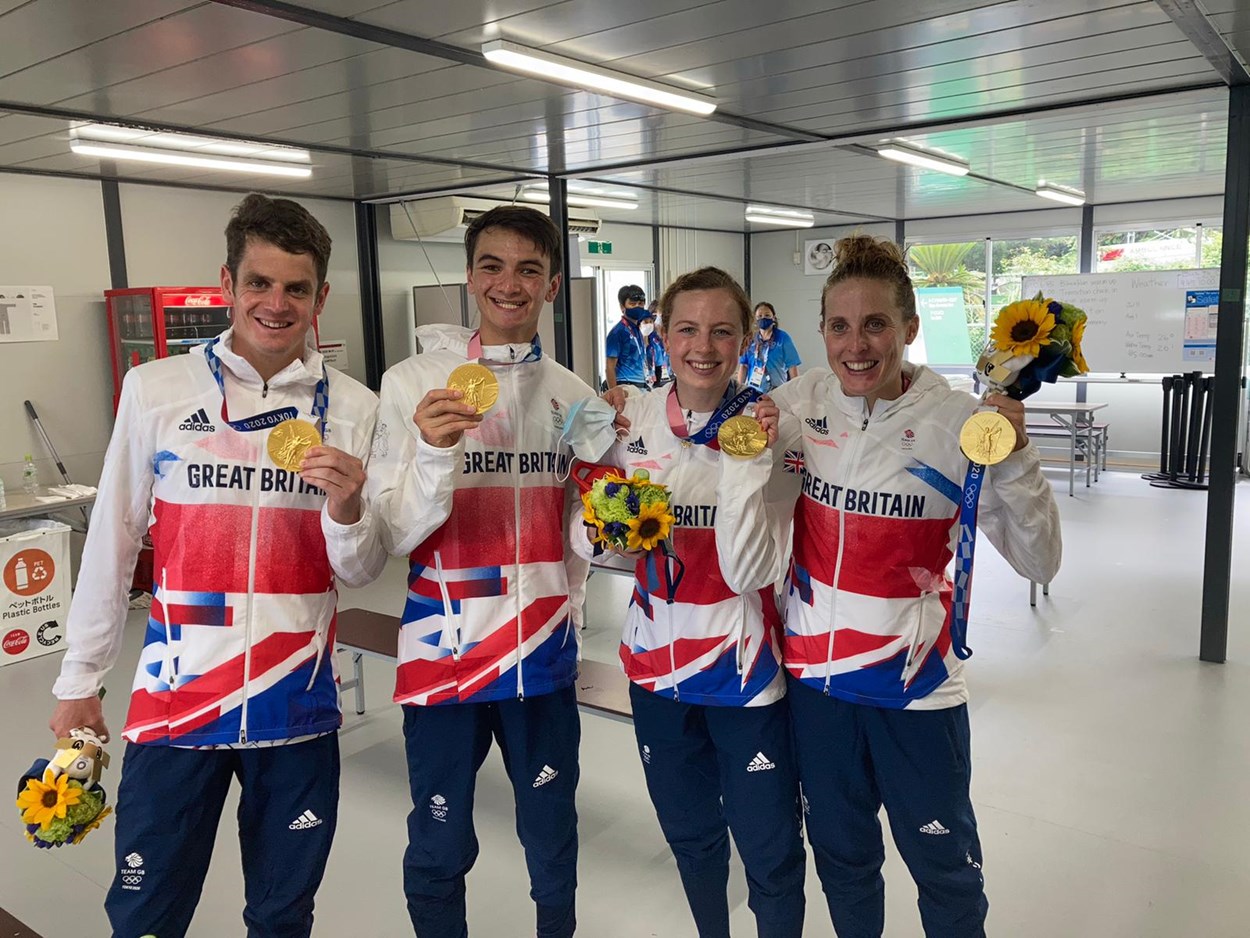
x,y
156,322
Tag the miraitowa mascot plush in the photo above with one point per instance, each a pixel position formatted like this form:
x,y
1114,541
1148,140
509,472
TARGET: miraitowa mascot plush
x,y
60,798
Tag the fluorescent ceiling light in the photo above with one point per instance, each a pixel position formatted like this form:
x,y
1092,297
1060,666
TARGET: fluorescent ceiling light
x,y
1062,194
926,159
591,78
781,217
111,133
125,151
580,199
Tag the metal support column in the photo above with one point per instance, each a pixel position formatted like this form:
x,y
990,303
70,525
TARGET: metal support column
x,y
114,236
746,262
562,308
1087,266
1217,565
370,293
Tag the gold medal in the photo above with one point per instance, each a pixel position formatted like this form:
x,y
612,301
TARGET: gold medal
x,y
987,437
478,384
289,441
742,437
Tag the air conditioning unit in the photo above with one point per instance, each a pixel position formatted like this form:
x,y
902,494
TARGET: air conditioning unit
x,y
445,218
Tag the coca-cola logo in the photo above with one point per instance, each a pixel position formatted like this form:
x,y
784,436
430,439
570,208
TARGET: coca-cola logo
x,y
16,641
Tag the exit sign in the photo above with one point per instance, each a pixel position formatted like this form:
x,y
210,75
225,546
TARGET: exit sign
x,y
600,247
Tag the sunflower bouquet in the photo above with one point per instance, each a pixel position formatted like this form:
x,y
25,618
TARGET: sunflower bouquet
x,y
60,799
1032,341
627,513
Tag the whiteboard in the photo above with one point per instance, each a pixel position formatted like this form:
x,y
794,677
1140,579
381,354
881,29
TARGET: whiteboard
x,y
1136,318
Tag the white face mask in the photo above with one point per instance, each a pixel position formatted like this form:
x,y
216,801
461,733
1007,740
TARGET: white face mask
x,y
647,328
588,428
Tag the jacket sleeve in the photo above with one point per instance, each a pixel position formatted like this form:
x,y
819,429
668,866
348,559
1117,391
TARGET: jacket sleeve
x,y
411,484
576,562
356,552
97,614
755,505
1019,515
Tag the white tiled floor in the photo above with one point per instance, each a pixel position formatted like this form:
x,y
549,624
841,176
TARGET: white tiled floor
x,y
1110,776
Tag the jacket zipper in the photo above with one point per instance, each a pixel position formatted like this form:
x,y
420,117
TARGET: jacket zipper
x,y
668,606
516,502
251,593
169,641
450,616
837,565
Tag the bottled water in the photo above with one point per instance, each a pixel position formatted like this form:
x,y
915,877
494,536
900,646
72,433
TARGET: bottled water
x,y
30,476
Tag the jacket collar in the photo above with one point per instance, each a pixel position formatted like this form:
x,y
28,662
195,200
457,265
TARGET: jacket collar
x,y
305,371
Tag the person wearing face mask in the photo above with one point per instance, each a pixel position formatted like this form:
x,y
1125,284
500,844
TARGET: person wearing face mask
x,y
626,346
707,689
874,647
657,364
771,359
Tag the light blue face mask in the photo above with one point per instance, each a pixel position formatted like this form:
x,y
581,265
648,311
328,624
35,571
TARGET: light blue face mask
x,y
589,428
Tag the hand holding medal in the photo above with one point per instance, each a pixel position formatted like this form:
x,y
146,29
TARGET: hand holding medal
x,y
1031,341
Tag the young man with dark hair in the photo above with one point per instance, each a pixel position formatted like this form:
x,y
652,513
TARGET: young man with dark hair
x,y
478,497
237,674
627,359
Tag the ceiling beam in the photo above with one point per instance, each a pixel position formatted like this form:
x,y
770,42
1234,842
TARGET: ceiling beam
x,y
443,50
1193,21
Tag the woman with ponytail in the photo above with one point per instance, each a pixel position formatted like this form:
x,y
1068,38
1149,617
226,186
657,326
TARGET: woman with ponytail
x,y
874,648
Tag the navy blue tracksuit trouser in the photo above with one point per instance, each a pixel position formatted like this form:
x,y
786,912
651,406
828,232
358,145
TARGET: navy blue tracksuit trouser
x,y
715,770
852,759
445,745
168,805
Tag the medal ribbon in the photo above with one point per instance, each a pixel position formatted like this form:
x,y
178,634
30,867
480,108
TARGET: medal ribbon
x,y
673,570
270,418
964,550
732,404
475,351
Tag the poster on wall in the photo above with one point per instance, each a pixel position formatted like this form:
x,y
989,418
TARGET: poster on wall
x,y
817,258
944,326
27,314
1202,309
334,351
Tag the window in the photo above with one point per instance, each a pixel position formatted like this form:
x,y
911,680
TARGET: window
x,y
964,264
1157,248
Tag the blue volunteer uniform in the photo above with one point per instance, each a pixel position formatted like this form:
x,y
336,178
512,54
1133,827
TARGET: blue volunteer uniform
x,y
768,363
627,345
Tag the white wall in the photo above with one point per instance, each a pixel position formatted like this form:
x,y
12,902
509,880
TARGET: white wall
x,y
683,249
176,237
778,278
53,233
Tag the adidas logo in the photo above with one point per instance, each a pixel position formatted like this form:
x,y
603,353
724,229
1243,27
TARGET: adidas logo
x,y
638,448
198,421
934,827
305,821
821,426
760,763
545,776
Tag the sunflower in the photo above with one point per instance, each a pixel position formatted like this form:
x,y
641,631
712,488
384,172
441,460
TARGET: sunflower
x,y
652,525
1078,357
1023,327
90,826
41,802
592,519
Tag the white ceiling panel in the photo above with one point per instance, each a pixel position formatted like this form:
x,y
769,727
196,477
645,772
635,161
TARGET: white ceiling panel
x,y
380,93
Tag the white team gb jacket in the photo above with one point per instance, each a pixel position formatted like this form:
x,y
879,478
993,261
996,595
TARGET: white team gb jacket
x,y
240,638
